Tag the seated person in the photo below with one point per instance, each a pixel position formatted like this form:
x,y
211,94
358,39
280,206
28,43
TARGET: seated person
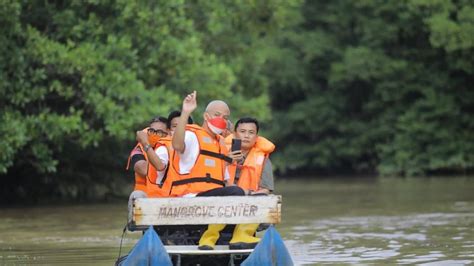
x,y
173,118
199,167
253,169
150,154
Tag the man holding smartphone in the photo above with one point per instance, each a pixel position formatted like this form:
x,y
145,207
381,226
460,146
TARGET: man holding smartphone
x,y
252,170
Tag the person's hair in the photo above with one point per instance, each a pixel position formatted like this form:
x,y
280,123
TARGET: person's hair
x,y
159,119
244,120
175,114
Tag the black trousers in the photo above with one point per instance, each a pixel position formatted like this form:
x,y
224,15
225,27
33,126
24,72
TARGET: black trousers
x,y
223,191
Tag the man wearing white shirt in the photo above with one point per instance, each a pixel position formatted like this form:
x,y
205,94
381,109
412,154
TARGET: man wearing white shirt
x,y
144,153
201,168
206,169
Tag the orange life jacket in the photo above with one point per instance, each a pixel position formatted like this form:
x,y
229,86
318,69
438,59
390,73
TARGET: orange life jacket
x,y
155,188
208,170
140,181
251,170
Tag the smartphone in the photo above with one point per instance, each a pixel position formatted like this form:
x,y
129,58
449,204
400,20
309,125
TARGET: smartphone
x,y
236,144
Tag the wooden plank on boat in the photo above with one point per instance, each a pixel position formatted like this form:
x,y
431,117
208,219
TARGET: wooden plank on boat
x,y
207,210
193,250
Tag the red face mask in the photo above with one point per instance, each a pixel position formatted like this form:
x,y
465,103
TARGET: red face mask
x,y
217,125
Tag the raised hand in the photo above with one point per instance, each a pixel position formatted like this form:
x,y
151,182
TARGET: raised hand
x,y
190,103
142,137
236,156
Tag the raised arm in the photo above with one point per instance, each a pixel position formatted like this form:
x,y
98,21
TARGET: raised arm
x,y
142,137
189,105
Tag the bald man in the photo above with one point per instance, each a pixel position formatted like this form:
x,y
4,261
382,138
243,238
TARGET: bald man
x,y
201,168
202,165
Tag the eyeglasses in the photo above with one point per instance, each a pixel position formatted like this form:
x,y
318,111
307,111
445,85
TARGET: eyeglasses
x,y
159,132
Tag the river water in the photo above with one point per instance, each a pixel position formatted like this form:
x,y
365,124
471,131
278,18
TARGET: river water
x,y
428,221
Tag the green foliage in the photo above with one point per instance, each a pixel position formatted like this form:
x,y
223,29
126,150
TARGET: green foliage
x,y
364,86
80,77
372,86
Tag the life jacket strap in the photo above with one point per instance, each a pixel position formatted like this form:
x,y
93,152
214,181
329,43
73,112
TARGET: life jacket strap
x,y
206,179
216,155
163,180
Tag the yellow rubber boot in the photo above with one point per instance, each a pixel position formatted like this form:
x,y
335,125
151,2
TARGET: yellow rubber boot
x,y
243,237
211,235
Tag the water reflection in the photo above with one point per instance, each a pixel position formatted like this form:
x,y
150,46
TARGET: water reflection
x,y
406,239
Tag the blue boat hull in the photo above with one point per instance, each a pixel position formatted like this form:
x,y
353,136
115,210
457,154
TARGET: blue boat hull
x,y
149,250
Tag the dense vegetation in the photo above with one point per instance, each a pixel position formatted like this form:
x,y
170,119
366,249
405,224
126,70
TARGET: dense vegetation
x,y
376,86
342,86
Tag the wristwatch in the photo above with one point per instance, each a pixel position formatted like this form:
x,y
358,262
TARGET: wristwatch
x,y
146,147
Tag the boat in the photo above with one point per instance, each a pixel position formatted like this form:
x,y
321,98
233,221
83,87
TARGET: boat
x,y
176,224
